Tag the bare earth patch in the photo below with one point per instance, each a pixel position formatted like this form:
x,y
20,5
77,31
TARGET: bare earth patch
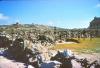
x,y
6,63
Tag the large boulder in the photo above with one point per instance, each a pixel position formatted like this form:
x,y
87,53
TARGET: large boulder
x,y
4,42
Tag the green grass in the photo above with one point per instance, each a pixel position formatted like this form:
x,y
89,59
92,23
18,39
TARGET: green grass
x,y
85,46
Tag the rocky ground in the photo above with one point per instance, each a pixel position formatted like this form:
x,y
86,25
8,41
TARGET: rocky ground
x,y
90,57
7,63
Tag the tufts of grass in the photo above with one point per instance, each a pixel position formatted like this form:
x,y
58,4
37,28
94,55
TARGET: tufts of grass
x,y
85,46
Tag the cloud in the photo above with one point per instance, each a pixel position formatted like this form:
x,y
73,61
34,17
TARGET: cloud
x,y
98,5
3,17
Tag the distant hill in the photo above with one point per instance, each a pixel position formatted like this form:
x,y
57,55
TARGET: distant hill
x,y
31,26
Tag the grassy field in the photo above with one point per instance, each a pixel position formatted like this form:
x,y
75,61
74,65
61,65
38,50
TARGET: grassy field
x,y
85,46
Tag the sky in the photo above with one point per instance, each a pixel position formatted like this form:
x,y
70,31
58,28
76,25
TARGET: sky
x,y
60,13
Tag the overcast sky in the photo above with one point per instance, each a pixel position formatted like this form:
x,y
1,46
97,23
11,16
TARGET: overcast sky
x,y
60,13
